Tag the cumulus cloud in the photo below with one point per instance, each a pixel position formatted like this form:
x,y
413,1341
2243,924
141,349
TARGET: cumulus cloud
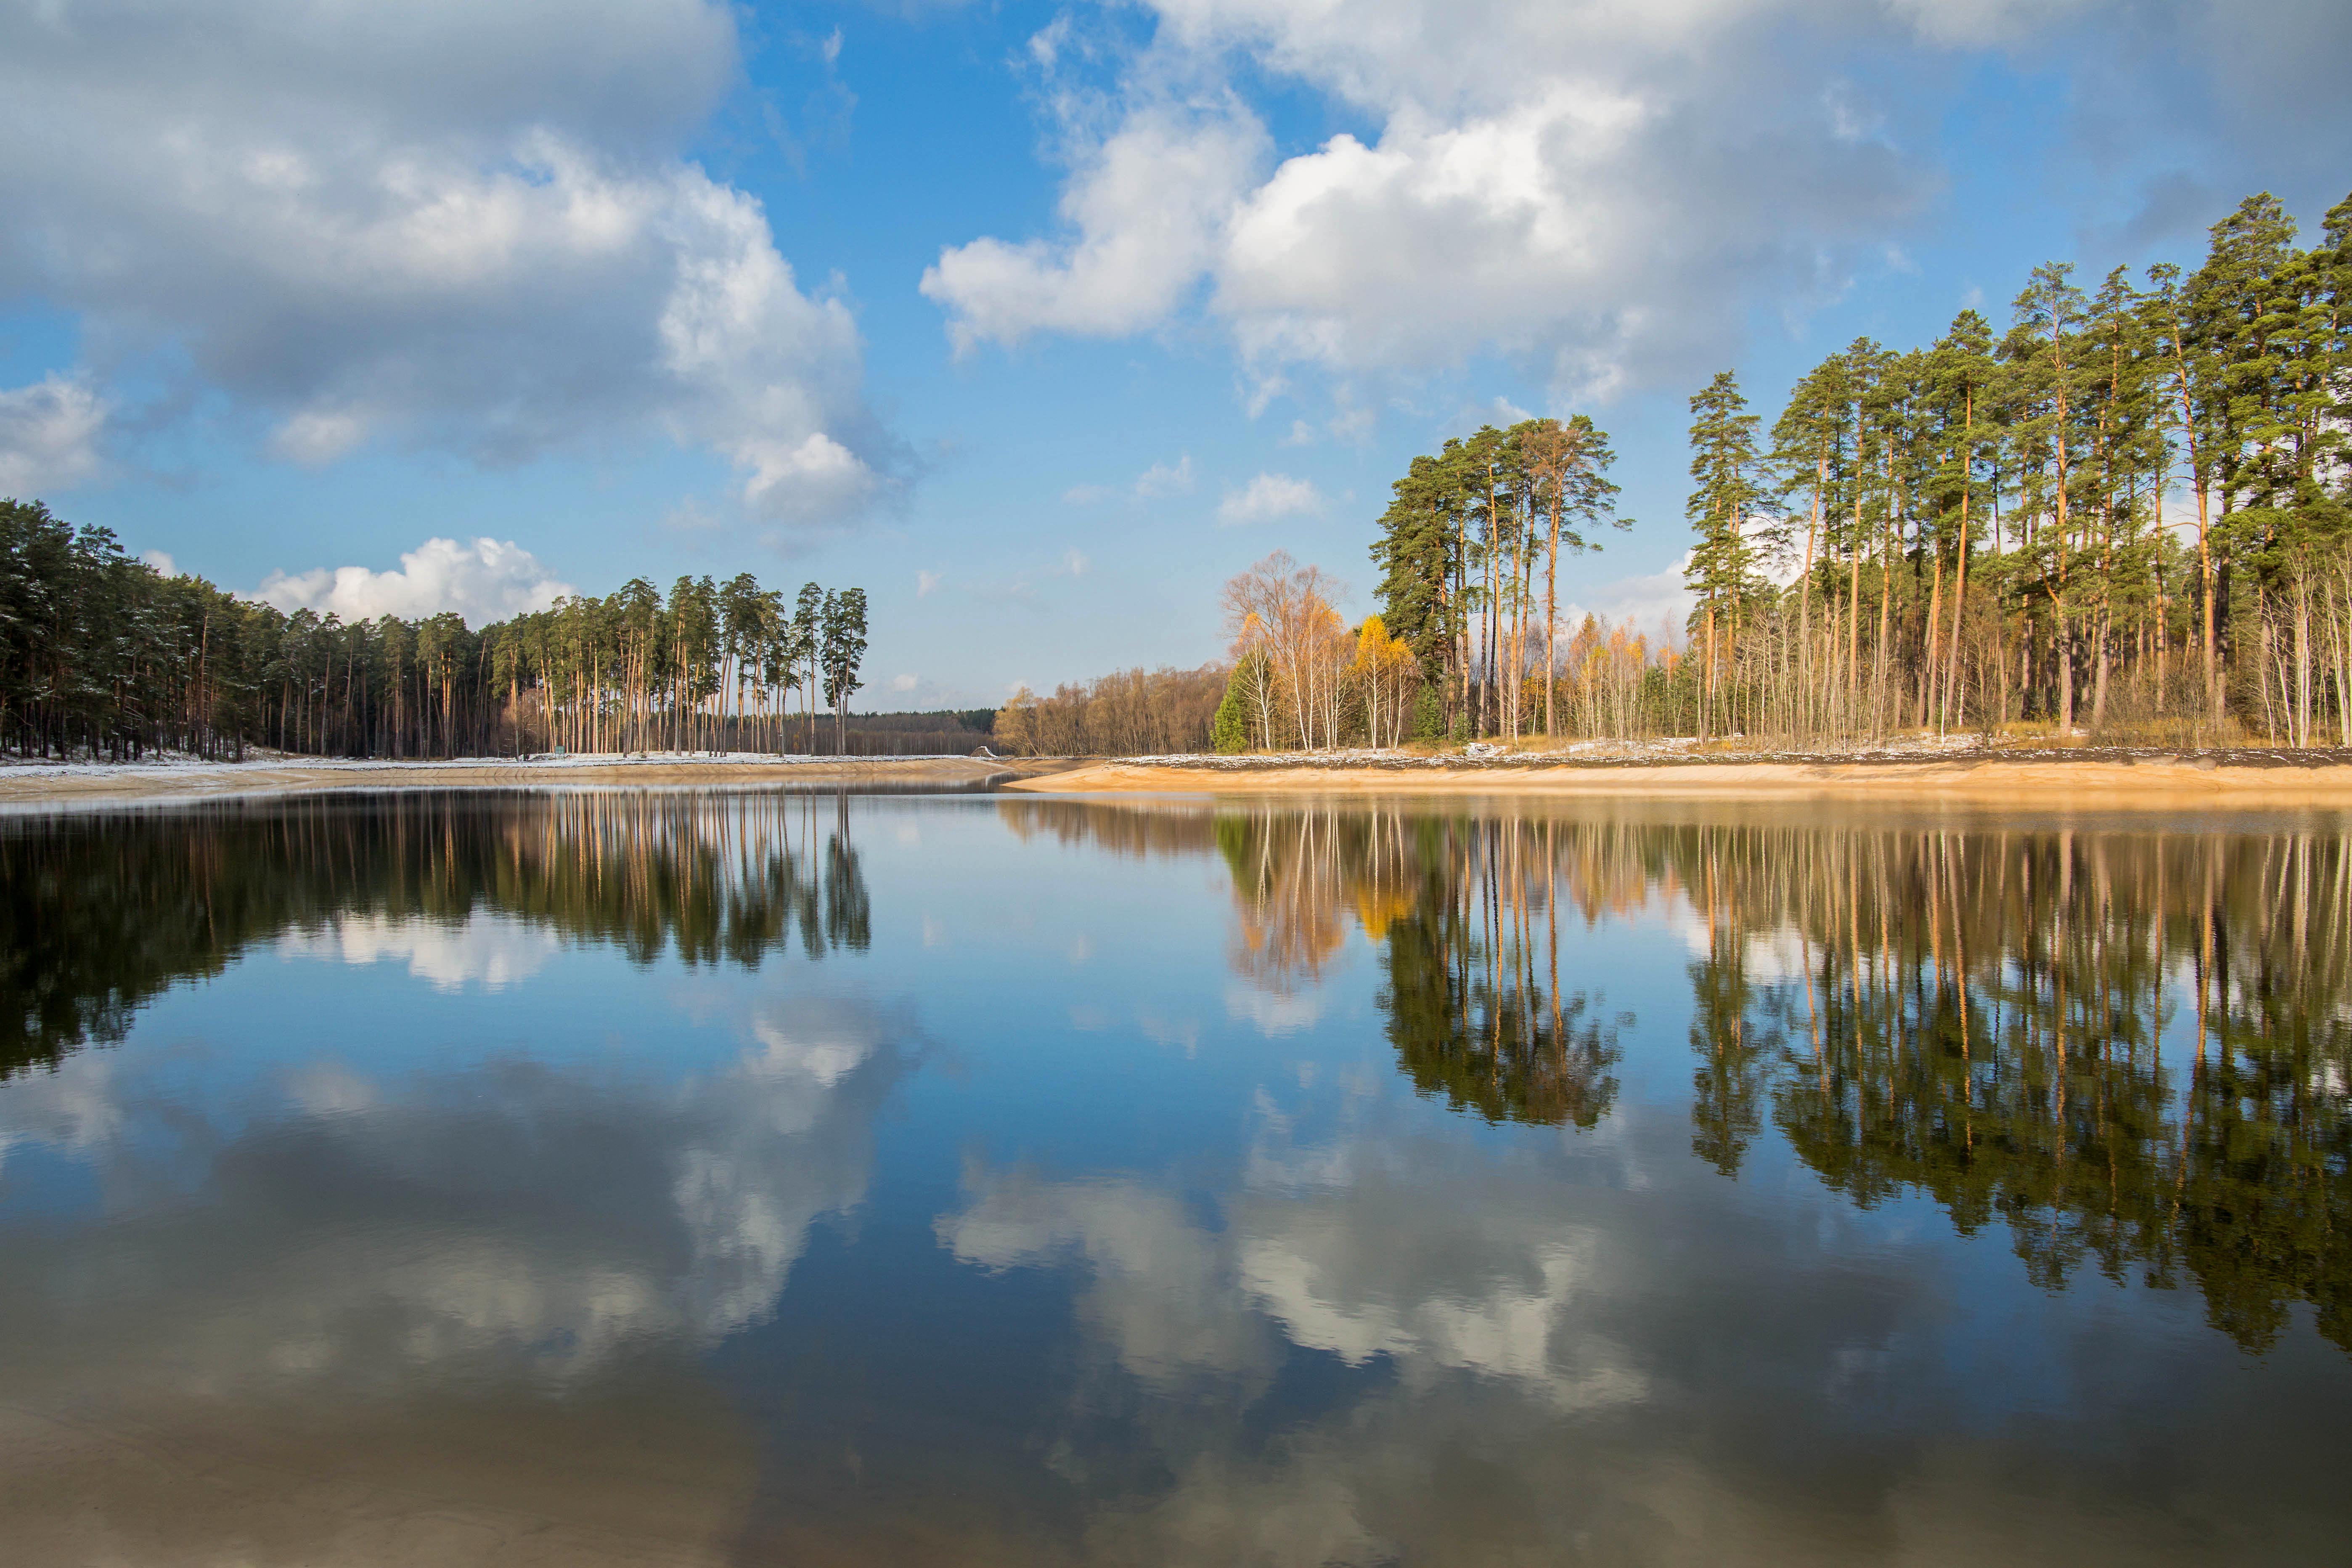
x,y
1598,190
463,225
1162,480
1145,207
1158,482
488,580
1656,603
1267,498
48,436
1582,184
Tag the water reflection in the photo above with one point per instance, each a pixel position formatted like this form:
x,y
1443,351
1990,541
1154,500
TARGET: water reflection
x,y
1982,1017
624,1177
335,1305
1977,1013
99,914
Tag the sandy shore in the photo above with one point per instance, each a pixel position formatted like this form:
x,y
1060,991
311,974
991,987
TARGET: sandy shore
x,y
2169,782
2101,779
34,786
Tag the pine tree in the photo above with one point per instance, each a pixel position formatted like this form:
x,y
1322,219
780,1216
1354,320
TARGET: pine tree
x,y
844,648
1729,489
1961,367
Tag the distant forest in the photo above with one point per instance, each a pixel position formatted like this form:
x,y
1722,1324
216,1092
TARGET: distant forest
x,y
102,656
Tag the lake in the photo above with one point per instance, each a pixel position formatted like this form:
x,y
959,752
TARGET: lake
x,y
602,1176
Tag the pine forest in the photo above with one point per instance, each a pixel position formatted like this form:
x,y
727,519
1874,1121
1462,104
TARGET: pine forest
x,y
2126,513
102,656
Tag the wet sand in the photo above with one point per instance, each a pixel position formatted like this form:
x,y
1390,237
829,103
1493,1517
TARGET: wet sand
x,y
2106,781
35,786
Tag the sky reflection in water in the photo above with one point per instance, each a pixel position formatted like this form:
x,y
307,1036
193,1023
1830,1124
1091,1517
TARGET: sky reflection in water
x,y
757,1178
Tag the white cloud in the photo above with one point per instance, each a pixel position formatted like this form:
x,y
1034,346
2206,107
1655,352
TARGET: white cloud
x,y
463,225
1267,498
48,436
1655,602
1144,206
160,560
925,581
486,581
905,682
1159,481
1073,563
1595,188
1982,21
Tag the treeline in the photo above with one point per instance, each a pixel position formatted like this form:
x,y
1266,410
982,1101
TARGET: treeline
x,y
1961,536
1132,713
102,656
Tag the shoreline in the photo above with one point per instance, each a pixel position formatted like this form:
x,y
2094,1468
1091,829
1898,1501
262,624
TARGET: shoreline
x,y
2168,779
37,785
2102,778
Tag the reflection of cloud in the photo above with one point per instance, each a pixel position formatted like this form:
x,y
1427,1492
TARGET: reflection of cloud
x,y
1377,1270
1164,1295
1273,1014
822,1041
1435,1281
511,1218
1182,1033
1767,957
1512,1360
72,1106
490,950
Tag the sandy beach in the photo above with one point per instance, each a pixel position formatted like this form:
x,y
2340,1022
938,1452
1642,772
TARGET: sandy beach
x,y
84,783
2106,778
2168,780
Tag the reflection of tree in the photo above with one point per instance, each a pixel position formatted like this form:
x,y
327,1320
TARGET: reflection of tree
x,y
1465,911
1470,1013
1974,1014
1977,1017
98,914
1297,875
1158,827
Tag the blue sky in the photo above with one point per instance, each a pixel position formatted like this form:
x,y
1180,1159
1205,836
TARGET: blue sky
x,y
1036,320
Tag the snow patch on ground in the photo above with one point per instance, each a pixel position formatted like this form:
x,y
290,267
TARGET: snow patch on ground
x,y
159,765
1487,753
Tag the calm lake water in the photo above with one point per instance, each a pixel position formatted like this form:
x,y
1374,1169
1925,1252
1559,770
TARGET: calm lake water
x,y
756,1178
